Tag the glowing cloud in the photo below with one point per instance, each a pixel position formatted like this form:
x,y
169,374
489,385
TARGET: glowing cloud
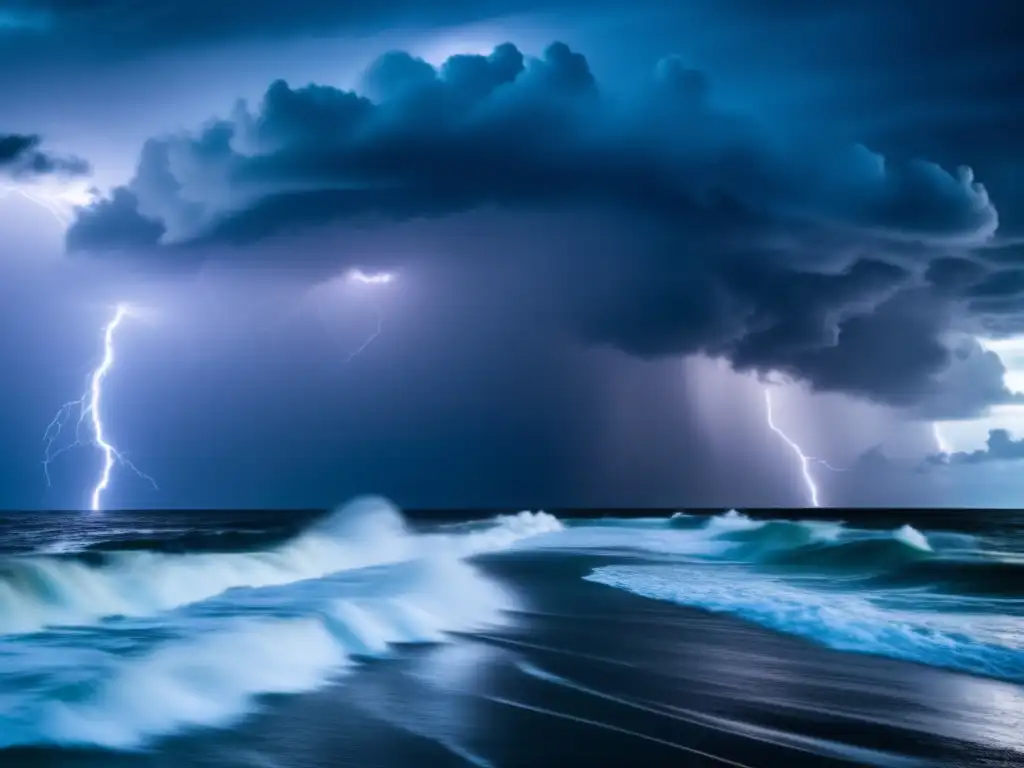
x,y
940,440
370,278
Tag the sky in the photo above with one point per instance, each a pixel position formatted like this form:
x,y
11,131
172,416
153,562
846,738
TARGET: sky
x,y
617,234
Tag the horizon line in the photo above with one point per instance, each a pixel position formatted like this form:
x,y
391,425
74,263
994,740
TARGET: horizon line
x,y
511,509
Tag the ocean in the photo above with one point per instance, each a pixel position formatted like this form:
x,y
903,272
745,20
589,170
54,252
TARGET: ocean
x,y
365,636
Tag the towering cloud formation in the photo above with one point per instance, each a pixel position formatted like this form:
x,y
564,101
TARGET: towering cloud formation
x,y
504,130
657,222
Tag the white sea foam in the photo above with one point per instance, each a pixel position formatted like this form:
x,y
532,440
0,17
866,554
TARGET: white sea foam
x,y
505,532
708,537
40,591
360,581
213,673
726,536
733,521
987,645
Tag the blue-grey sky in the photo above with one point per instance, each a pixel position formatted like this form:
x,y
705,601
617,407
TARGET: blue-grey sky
x,y
611,226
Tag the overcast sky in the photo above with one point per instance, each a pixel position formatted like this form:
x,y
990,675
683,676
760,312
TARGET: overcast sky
x,y
612,228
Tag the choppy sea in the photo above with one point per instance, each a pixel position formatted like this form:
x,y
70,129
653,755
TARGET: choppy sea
x,y
366,637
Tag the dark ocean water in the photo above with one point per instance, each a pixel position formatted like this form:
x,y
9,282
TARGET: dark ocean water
x,y
366,637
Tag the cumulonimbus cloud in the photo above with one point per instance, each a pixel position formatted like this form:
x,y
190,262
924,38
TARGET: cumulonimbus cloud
x,y
831,264
503,129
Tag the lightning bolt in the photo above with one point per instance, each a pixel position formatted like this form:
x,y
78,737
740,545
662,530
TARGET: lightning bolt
x,y
88,406
369,279
369,340
805,460
60,205
45,202
353,279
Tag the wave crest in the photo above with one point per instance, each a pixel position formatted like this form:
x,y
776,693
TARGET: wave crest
x,y
40,591
841,620
213,675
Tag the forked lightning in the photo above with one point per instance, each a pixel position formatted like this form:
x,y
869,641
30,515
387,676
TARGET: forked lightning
x,y
88,406
805,460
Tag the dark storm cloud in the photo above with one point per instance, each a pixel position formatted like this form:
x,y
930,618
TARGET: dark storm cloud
x,y
21,156
114,28
120,227
947,85
973,380
993,289
1006,282
697,230
954,275
112,24
501,130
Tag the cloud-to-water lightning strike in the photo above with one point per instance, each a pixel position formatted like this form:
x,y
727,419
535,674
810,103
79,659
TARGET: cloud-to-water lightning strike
x,y
88,406
369,339
940,440
805,460
368,278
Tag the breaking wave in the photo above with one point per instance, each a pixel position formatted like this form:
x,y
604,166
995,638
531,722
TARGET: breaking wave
x,y
121,693
735,536
899,593
46,590
904,558
112,647
849,621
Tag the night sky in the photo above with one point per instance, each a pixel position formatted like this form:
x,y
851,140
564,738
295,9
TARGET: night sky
x,y
611,227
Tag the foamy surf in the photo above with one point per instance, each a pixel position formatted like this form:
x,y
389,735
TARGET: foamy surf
x,y
730,536
127,689
42,591
986,645
933,598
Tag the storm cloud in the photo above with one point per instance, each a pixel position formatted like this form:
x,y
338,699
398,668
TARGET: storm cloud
x,y
22,156
509,130
120,29
661,224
